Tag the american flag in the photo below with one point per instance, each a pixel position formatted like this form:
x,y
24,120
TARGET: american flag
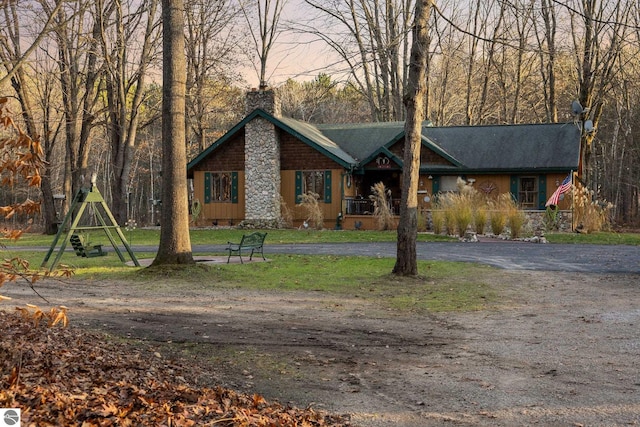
x,y
563,188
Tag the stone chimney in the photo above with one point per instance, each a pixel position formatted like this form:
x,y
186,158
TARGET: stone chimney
x,y
262,163
265,99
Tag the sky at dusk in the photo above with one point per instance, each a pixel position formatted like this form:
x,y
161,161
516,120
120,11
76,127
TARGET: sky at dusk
x,y
295,56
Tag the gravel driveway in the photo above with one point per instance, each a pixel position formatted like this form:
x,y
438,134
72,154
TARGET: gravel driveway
x,y
502,254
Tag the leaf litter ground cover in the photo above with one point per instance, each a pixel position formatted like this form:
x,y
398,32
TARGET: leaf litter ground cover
x,y
73,377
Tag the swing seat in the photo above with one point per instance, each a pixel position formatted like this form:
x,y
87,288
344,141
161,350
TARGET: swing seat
x,y
85,251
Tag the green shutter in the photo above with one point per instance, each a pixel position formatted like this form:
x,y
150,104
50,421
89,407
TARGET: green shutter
x,y
327,186
207,187
298,186
435,185
542,191
234,187
514,188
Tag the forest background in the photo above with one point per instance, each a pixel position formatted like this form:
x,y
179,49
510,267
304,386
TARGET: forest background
x,y
85,77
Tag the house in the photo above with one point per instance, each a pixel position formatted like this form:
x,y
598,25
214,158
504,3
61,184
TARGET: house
x,y
267,160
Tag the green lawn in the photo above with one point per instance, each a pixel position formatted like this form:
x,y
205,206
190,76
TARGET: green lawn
x,y
441,286
599,238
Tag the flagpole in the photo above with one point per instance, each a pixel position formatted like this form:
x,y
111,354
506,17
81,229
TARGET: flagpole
x,y
573,200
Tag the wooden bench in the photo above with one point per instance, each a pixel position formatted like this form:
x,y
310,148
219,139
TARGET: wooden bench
x,y
253,242
83,250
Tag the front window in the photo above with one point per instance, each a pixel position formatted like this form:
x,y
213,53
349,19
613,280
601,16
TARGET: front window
x,y
313,182
221,187
528,192
449,183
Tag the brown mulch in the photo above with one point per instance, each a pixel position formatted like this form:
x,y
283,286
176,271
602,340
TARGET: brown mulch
x,y
69,376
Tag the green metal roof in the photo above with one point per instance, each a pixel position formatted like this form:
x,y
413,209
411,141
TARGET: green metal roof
x,y
492,148
500,148
484,149
361,140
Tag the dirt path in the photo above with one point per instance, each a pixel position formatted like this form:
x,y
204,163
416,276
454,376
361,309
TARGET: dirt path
x,y
563,350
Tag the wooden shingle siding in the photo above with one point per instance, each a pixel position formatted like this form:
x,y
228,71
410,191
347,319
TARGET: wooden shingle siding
x,y
296,155
227,157
428,157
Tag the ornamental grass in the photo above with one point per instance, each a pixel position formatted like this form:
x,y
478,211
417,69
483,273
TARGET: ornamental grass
x,y
314,215
590,214
382,208
499,208
438,221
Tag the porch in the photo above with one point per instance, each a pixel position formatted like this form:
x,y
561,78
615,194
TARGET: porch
x,y
364,206
358,213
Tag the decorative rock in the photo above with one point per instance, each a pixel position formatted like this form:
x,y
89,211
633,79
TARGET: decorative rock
x,y
469,237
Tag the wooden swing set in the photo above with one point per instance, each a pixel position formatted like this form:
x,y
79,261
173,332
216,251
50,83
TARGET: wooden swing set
x,y
92,199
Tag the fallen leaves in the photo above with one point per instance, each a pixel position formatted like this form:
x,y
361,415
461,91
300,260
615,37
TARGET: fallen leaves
x,y
34,314
72,377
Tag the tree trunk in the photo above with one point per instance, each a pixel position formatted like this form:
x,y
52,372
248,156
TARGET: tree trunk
x,y
406,260
473,47
548,58
48,206
175,242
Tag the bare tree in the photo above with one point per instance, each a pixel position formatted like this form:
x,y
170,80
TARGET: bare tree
x,y
35,96
491,64
34,81
79,78
175,242
474,28
513,65
406,259
546,37
213,48
322,100
126,66
267,32
371,37
599,32
445,100
12,25
616,148
52,121
10,54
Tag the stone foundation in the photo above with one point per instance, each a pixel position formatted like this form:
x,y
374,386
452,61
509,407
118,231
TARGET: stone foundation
x,y
261,224
536,221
